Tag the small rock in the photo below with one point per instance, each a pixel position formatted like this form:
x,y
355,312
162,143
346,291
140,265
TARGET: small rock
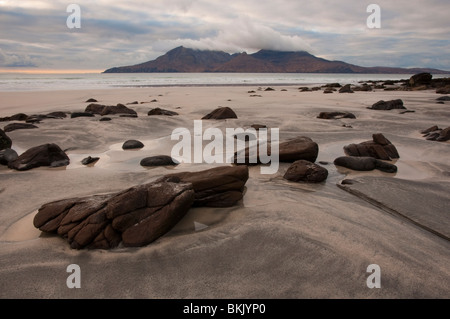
x,y
91,100
269,89
443,98
7,155
132,144
220,114
346,89
159,111
305,171
18,126
90,160
81,114
105,119
5,141
444,135
429,130
160,160
364,164
336,115
388,105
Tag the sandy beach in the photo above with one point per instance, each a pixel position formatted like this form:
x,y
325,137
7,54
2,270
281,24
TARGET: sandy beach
x,y
283,240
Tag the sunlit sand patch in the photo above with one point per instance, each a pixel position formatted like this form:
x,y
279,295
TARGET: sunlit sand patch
x,y
22,230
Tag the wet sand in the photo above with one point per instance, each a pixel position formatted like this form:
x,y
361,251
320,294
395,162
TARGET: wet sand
x,y
285,240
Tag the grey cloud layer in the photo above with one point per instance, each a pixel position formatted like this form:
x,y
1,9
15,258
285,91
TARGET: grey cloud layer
x,y
34,33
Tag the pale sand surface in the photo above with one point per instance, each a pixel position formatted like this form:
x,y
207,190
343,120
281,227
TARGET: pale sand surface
x,y
285,240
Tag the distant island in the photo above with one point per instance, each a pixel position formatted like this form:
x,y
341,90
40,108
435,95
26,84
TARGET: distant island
x,y
188,60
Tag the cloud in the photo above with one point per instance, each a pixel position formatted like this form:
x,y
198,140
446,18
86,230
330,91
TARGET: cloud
x,y
16,60
241,35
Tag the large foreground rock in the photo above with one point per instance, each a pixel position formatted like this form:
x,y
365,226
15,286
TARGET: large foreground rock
x,y
220,114
44,155
135,217
364,164
5,141
216,187
300,148
380,148
304,171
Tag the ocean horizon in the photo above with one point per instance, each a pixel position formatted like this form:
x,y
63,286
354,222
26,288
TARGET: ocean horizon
x,y
13,82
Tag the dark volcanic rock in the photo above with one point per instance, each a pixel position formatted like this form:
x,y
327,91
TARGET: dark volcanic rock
x,y
132,144
109,109
160,160
135,217
18,126
305,171
15,117
388,105
90,160
346,89
158,111
336,115
44,155
220,114
364,164
380,148
217,187
300,148
444,135
5,141
7,155
420,79
81,114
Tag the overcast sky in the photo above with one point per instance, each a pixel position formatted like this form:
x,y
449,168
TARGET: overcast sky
x,y
34,34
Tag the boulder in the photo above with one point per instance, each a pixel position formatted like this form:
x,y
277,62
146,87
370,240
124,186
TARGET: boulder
x,y
18,126
5,141
216,187
420,79
346,89
364,164
158,111
305,171
135,217
132,144
380,148
7,155
336,115
388,105
50,155
220,114
300,148
160,160
109,109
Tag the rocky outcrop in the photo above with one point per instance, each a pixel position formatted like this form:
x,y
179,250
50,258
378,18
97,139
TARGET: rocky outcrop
x,y
388,105
109,109
5,141
50,155
305,171
336,115
364,164
159,111
15,117
18,126
216,187
134,217
221,113
420,79
380,148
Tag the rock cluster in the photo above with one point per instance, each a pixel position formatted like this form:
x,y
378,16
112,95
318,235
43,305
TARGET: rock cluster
x,y
435,133
109,109
380,148
50,155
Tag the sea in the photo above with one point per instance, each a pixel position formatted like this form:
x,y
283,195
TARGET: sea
x,y
13,82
